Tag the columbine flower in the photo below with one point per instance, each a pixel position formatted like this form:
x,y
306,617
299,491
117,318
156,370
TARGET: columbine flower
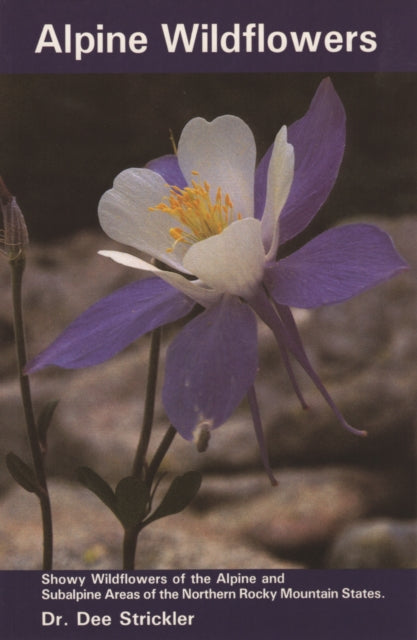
x,y
217,221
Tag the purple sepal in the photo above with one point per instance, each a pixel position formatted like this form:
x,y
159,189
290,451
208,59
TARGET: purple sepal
x,y
168,167
335,266
295,345
319,141
280,320
260,436
210,367
112,323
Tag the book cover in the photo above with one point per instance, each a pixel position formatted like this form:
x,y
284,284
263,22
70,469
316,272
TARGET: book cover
x,y
208,319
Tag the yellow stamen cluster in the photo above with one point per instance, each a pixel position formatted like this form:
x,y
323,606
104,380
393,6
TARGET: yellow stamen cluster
x,y
193,208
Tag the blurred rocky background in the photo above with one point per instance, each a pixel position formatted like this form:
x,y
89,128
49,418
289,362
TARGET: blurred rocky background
x,y
342,501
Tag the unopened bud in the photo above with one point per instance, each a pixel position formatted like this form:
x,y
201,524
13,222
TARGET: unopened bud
x,y
15,234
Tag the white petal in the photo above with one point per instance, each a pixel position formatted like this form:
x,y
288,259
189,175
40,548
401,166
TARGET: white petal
x,y
125,216
232,261
224,154
194,289
127,260
280,177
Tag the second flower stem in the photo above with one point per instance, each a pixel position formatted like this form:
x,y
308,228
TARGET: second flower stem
x,y
17,265
140,469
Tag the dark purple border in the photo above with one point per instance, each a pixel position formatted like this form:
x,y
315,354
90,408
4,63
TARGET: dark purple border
x,y
392,616
394,22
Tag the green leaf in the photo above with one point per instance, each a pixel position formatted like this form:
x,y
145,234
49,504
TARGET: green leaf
x,y
44,420
179,495
22,473
98,486
132,498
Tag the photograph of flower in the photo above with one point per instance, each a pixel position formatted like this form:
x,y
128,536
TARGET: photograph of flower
x,y
217,278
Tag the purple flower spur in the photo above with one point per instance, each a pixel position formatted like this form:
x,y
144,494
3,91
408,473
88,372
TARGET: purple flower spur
x,y
216,220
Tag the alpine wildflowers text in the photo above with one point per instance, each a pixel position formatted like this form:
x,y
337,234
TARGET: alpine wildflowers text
x,y
201,38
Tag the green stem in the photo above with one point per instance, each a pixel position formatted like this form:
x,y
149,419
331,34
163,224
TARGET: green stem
x,y
129,547
145,436
131,535
139,463
17,265
160,454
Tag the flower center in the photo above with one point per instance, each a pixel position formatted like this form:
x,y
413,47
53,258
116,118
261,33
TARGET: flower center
x,y
194,208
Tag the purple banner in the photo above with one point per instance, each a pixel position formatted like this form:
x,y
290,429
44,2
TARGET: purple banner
x,y
142,36
291,605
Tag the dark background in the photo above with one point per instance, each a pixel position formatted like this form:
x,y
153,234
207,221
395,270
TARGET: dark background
x,y
63,138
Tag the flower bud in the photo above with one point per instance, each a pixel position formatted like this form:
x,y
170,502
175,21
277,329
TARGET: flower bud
x,y
15,234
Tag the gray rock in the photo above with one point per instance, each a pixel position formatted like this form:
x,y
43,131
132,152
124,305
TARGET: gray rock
x,y
301,517
375,544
